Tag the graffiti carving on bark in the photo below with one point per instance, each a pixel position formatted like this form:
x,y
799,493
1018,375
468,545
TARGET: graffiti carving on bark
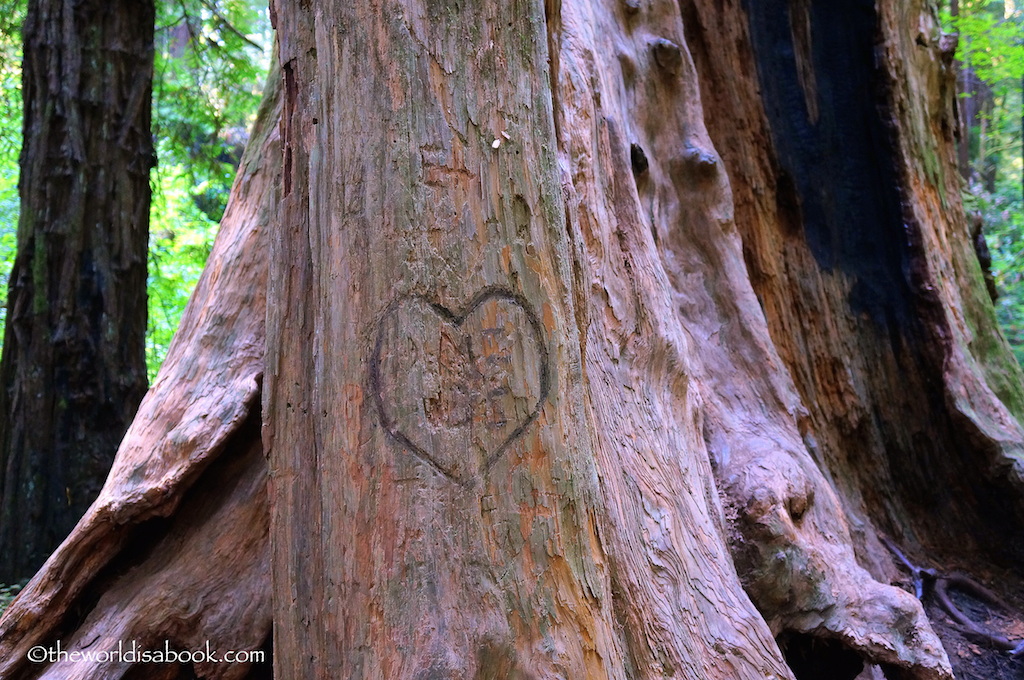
x,y
457,388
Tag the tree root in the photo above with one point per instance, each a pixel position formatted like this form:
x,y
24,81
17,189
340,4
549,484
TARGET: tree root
x,y
929,580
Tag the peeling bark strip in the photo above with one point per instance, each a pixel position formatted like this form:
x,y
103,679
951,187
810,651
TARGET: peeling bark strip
x,y
176,548
74,369
481,394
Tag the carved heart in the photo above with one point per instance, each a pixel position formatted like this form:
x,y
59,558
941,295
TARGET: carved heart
x,y
457,388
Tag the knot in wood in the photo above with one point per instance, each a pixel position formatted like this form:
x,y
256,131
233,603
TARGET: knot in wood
x,y
668,55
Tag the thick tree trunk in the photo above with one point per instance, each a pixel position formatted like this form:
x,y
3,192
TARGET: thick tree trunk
x,y
584,358
521,333
482,412
859,251
836,128
175,551
73,368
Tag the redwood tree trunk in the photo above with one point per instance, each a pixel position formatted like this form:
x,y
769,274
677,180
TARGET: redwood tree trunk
x,y
582,273
175,551
836,126
511,335
73,368
860,253
484,428
604,340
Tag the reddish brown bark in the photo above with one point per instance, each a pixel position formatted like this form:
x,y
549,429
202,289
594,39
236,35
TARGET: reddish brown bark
x,y
879,308
911,392
662,363
600,371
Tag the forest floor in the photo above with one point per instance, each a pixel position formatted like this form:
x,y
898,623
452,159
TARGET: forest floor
x,y
970,656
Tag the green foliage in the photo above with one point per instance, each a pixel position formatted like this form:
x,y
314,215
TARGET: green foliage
x,y
1004,225
8,593
180,240
212,57
991,46
12,13
9,210
211,60
990,39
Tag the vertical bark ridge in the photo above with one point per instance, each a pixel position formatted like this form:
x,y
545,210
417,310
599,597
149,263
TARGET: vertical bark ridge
x,y
700,316
628,91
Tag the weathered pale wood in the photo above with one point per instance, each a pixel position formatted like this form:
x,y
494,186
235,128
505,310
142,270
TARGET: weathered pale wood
x,y
413,545
193,454
674,351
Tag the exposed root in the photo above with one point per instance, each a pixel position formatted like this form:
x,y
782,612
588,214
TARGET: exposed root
x,y
929,580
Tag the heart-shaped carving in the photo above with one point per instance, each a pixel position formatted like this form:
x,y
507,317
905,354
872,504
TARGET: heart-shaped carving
x,y
456,388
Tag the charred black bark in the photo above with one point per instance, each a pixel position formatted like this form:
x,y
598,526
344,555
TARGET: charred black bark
x,y
828,103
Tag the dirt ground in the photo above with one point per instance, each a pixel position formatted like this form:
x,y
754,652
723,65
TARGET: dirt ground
x,y
971,657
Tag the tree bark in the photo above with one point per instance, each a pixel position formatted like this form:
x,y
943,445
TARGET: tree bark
x,y
484,430
882,251
860,253
564,244
175,550
73,368
604,340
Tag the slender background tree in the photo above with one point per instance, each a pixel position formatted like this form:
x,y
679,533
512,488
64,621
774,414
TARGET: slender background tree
x,y
73,366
